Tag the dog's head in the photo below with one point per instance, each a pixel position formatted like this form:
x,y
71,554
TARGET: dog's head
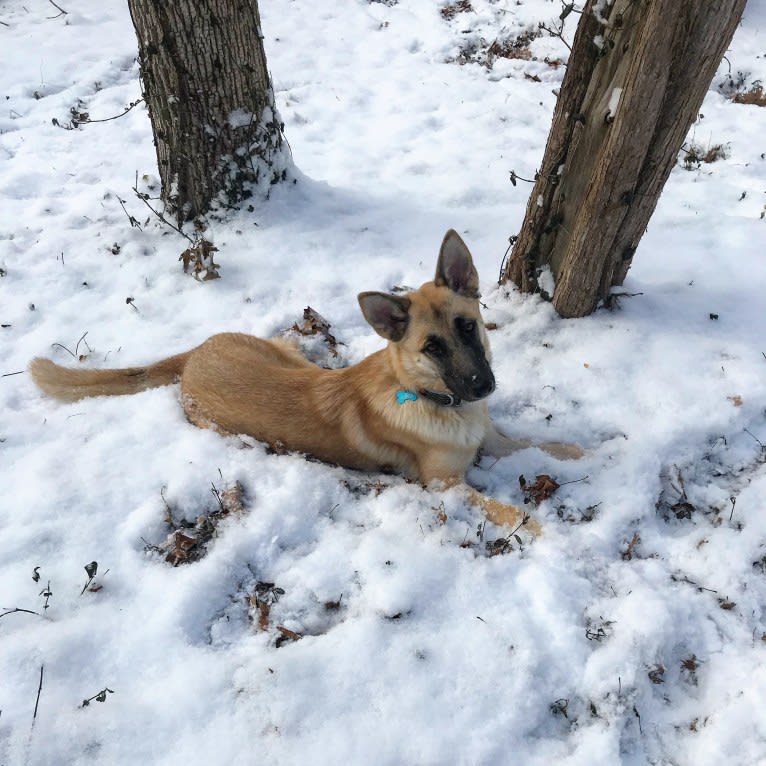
x,y
436,332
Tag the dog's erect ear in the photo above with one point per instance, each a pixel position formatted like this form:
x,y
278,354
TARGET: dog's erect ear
x,y
386,313
455,268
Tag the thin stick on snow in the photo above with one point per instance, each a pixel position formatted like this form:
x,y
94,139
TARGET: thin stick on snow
x,y
39,689
63,12
18,609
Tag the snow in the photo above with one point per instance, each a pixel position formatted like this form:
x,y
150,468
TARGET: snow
x,y
614,100
546,281
630,632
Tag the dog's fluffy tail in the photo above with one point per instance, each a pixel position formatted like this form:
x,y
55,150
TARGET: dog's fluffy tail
x,y
70,384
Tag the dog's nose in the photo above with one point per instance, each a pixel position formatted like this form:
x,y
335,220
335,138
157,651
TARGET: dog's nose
x,y
482,386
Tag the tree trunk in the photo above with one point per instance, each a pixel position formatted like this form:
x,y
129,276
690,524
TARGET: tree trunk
x,y
211,103
636,78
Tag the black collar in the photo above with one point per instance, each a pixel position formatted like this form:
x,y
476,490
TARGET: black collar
x,y
443,400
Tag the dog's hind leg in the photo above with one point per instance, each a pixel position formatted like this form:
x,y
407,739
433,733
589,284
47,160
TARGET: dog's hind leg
x,y
498,444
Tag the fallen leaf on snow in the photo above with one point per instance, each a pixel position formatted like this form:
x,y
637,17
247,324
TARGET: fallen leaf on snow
x,y
542,488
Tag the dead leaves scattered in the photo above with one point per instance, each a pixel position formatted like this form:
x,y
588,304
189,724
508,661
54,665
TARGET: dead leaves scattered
x,y
188,541
695,154
199,257
287,636
598,630
754,97
448,12
689,667
542,488
315,324
487,53
657,674
628,553
503,545
260,602
363,487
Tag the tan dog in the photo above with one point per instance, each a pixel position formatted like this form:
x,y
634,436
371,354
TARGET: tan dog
x,y
417,407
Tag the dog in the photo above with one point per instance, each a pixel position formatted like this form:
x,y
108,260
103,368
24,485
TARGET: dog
x,y
417,407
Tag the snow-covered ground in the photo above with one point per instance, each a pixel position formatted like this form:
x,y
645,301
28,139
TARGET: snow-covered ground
x,y
633,631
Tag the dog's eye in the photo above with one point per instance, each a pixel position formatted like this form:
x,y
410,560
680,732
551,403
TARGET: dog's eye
x,y
433,347
465,326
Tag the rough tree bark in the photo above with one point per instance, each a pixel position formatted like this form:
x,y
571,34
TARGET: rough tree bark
x,y
211,103
635,81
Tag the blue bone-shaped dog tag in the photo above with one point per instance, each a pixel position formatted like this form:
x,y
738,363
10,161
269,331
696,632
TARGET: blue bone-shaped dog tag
x,y
403,396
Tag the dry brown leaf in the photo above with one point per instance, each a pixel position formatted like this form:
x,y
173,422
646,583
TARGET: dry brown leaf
x,y
285,635
264,609
451,10
755,96
543,487
233,498
178,547
735,400
315,324
657,674
200,257
690,664
627,554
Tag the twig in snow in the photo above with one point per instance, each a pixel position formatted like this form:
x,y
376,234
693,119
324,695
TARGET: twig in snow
x,y
39,689
90,570
503,544
685,579
144,198
511,242
556,32
46,592
74,353
640,729
82,340
19,609
61,345
612,301
100,697
763,446
574,481
130,106
8,374
62,13
133,221
217,494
